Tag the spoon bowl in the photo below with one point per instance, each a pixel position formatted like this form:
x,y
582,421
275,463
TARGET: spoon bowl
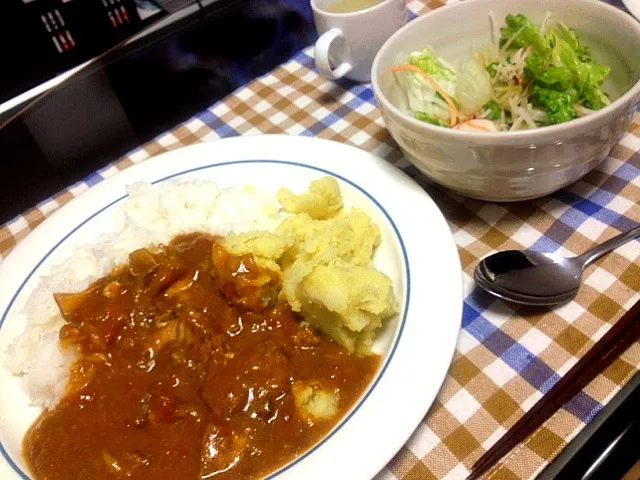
x,y
534,278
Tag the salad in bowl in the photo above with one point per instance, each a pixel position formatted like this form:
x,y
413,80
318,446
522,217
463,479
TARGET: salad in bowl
x,y
530,76
514,105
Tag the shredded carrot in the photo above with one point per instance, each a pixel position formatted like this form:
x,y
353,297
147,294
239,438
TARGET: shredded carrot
x,y
474,126
453,111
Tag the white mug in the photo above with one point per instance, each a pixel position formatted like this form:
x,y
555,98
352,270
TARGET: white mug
x,y
349,42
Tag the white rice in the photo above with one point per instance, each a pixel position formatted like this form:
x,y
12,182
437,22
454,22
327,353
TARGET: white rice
x,y
151,214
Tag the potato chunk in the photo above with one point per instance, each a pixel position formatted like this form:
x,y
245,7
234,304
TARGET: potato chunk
x,y
329,278
350,236
314,402
347,303
322,200
266,247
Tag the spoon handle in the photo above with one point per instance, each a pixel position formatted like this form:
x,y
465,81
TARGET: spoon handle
x,y
595,253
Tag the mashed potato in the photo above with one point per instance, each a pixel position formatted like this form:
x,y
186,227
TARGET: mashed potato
x,y
322,200
323,255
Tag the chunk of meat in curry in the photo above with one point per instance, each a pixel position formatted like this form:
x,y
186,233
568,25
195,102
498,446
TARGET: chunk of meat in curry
x,y
189,369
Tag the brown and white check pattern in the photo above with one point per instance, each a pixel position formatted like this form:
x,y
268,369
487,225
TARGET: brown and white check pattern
x,y
484,393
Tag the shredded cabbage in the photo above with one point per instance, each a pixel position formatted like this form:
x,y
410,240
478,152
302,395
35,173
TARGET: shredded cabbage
x,y
473,86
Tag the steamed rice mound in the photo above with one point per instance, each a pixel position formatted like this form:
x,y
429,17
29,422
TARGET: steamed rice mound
x,y
152,214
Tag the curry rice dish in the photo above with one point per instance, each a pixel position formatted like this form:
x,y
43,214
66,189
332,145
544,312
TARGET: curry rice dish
x,y
213,356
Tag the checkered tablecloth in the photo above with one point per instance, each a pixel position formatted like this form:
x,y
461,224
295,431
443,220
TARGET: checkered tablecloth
x,y
507,357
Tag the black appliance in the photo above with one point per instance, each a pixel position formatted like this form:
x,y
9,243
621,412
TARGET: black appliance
x,y
40,39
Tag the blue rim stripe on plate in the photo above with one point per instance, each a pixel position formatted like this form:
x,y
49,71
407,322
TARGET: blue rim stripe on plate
x,y
239,162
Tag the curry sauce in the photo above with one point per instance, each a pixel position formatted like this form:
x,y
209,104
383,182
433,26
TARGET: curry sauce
x,y
189,368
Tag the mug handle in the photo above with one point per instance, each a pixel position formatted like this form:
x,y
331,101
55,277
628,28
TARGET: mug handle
x,y
322,56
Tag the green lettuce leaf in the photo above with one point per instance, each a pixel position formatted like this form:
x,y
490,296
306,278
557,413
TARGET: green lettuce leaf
x,y
557,105
563,32
551,76
594,98
587,76
421,96
495,112
592,76
425,117
527,34
429,63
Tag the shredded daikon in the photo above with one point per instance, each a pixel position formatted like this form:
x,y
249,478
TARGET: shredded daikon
x,y
495,31
582,111
543,26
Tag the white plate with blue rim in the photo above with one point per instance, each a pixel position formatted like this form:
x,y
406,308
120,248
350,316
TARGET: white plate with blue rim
x,y
633,6
417,253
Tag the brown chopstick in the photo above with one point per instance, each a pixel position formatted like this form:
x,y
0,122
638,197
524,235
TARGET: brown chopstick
x,y
621,336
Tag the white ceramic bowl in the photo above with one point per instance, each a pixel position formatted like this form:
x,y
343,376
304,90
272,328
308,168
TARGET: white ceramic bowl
x,y
512,166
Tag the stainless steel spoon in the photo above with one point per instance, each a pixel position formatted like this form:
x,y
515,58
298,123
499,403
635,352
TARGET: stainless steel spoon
x,y
533,278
